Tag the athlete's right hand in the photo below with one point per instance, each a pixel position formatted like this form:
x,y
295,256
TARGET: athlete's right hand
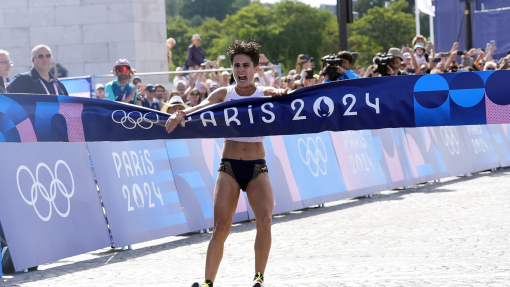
x,y
175,119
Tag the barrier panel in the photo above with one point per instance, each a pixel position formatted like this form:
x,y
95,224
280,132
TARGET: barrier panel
x,y
480,147
154,189
501,142
138,190
194,165
49,204
453,148
78,86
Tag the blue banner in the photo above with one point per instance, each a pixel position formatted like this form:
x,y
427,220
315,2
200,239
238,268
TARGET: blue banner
x,y
476,98
49,204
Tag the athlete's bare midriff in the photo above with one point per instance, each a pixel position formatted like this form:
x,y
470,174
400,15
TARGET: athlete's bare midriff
x,y
243,150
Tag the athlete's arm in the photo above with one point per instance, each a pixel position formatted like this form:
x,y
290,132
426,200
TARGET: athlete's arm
x,y
178,117
274,92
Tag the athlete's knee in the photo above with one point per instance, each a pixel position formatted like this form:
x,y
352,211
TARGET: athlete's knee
x,y
264,222
221,230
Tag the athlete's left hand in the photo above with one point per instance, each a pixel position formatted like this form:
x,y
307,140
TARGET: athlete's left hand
x,y
277,92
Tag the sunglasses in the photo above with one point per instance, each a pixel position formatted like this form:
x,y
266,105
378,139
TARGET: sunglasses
x,y
490,69
123,69
41,56
194,94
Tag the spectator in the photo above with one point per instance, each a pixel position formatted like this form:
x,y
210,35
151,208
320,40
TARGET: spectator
x,y
407,61
419,53
121,90
179,77
212,87
150,101
100,91
195,54
161,93
38,80
423,70
203,91
360,71
394,63
224,79
338,72
136,81
170,43
5,68
490,66
194,98
175,103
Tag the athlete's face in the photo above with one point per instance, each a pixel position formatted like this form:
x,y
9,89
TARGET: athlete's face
x,y
244,70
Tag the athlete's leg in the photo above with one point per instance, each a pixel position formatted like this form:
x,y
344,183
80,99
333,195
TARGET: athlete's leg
x,y
226,196
261,198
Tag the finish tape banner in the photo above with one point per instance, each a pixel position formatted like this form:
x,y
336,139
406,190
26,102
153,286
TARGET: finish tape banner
x,y
390,102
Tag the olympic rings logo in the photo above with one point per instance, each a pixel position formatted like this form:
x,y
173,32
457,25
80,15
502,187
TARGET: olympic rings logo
x,y
130,123
313,154
50,195
450,138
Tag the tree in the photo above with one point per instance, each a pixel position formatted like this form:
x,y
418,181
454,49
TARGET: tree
x,y
218,9
380,29
171,7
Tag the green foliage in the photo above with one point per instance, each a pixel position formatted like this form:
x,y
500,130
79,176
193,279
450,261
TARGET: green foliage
x,y
171,7
210,8
380,29
289,28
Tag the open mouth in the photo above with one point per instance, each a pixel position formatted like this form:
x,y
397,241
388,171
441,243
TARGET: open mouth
x,y
242,78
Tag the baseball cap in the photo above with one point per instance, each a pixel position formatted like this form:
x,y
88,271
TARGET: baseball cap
x,y
99,86
407,55
213,85
195,37
150,88
395,52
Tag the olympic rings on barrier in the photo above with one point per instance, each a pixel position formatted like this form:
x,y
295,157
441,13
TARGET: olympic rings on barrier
x,y
313,155
451,139
134,122
38,187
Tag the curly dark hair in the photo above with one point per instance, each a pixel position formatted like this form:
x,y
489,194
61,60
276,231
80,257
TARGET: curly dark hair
x,y
250,49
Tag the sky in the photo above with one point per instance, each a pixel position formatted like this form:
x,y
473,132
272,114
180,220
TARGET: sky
x,y
313,3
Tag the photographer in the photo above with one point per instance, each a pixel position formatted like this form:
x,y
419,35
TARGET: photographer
x,y
389,64
338,68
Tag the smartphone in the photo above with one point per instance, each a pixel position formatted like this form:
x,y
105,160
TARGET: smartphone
x,y
436,60
305,57
411,71
222,57
430,42
444,55
309,74
312,59
406,45
460,53
493,42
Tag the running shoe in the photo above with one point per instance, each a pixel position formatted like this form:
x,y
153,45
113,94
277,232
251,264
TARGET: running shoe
x,y
196,284
258,281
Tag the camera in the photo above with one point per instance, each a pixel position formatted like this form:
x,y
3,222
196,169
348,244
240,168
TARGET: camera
x,y
382,63
331,62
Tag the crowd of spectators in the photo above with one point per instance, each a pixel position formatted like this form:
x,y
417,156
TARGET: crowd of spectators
x,y
191,84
